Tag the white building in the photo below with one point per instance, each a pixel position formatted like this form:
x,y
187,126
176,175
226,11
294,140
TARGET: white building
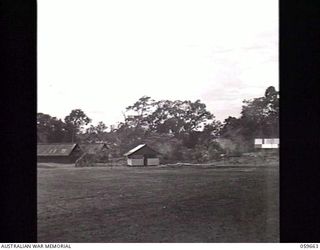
x,y
142,155
267,143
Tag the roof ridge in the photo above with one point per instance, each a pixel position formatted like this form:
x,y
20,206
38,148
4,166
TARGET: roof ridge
x,y
135,149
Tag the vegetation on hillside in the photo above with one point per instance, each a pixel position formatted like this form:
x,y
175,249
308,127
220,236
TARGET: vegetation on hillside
x,y
180,130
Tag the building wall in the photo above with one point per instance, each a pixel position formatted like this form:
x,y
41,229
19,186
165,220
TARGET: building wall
x,y
56,159
271,143
269,146
135,162
141,161
153,161
61,159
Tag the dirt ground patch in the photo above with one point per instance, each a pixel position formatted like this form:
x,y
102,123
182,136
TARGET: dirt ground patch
x,y
125,204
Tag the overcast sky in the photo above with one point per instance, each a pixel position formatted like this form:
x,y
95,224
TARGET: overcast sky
x,y
101,55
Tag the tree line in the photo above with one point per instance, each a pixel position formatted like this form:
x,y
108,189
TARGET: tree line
x,y
188,123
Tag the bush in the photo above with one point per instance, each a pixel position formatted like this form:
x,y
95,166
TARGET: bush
x,y
215,151
199,154
86,160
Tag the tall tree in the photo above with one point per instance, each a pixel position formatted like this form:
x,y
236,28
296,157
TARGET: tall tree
x,y
179,116
75,122
95,133
259,118
183,119
50,129
262,114
101,127
139,112
98,129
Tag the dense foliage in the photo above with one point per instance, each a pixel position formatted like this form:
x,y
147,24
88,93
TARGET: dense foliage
x,y
259,119
181,130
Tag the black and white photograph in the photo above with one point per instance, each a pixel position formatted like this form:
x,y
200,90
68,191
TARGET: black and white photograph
x,y
158,121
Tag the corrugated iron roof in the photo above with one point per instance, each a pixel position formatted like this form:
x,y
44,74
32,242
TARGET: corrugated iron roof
x,y
137,148
55,149
130,152
93,148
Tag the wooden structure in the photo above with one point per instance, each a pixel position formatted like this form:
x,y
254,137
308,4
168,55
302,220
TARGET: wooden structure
x,y
58,152
142,155
268,143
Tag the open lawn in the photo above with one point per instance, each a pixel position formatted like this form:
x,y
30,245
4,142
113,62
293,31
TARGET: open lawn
x,y
158,204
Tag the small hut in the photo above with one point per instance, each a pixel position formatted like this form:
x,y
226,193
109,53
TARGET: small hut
x,y
58,152
142,155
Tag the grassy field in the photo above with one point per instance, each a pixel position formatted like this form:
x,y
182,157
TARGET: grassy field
x,y
186,204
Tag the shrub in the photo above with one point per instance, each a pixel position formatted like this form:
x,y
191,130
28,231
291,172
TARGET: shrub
x,y
86,160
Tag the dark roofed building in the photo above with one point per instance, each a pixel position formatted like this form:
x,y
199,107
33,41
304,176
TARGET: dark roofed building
x,y
142,155
58,152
